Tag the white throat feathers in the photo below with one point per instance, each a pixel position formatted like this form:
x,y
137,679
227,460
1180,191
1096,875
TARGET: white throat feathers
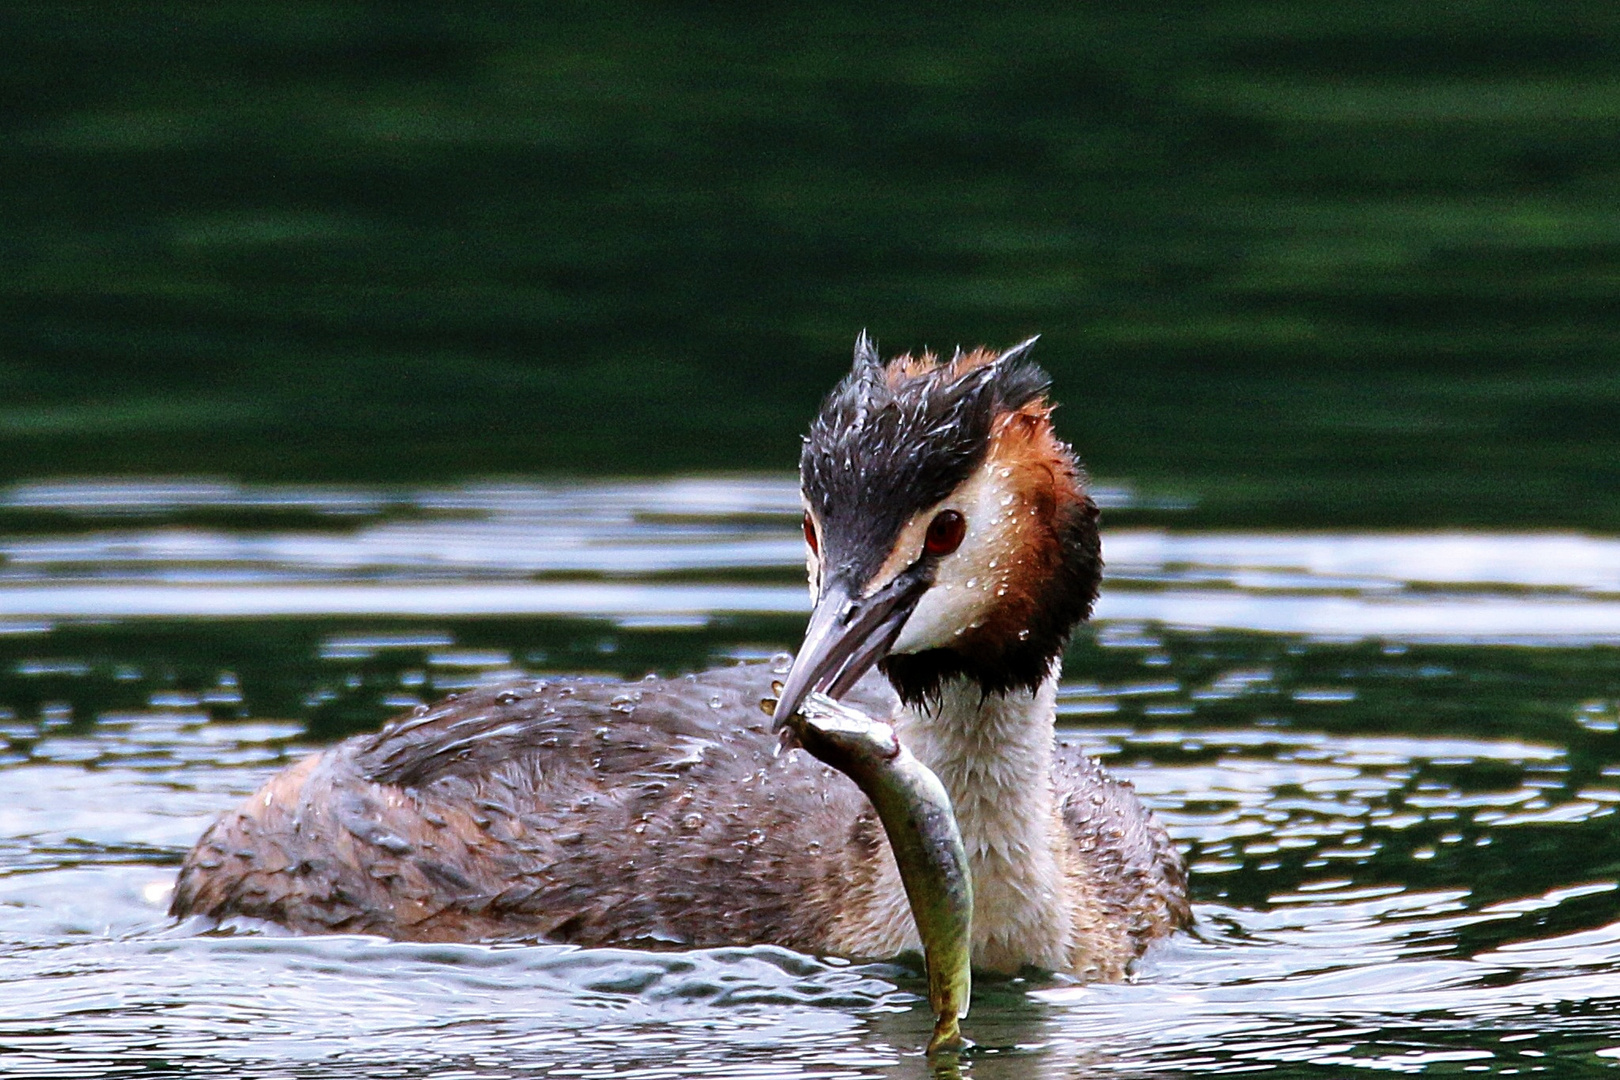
x,y
993,753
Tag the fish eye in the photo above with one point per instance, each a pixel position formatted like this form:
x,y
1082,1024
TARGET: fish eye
x,y
810,535
945,533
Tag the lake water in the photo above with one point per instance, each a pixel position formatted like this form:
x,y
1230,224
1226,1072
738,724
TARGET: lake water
x,y
1327,265
1390,757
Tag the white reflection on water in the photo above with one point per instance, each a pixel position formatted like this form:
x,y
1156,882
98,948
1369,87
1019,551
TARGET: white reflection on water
x,y
1369,561
395,598
1484,620
499,549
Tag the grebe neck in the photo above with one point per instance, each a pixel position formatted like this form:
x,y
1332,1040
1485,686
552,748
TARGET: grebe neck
x,y
993,753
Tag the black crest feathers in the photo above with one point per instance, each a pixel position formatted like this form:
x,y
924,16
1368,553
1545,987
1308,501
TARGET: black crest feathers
x,y
866,354
893,440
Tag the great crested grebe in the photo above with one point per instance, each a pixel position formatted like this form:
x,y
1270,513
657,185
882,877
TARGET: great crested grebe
x,y
951,544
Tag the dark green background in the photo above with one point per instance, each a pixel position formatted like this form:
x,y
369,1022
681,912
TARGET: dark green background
x,y
1306,264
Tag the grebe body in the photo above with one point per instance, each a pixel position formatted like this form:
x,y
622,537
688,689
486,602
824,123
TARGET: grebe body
x,y
950,544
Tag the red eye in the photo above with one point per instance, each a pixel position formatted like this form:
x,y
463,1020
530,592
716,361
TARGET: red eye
x,y
945,533
810,535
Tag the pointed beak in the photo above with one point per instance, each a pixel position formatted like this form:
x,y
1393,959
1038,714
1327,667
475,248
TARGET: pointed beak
x,y
847,635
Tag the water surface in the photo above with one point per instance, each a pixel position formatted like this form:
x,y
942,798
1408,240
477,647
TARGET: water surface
x,y
1391,759
1308,264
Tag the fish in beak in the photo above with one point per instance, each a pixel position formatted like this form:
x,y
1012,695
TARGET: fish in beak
x,y
848,634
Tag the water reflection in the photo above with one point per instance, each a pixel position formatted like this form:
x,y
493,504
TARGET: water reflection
x,y
672,551
1404,852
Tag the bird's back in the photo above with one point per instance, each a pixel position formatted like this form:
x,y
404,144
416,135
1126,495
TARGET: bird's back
x,y
581,811
1133,871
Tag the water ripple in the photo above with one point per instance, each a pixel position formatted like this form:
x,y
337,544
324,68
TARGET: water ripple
x,y
1400,829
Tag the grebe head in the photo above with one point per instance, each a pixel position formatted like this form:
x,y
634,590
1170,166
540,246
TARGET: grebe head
x,y
947,528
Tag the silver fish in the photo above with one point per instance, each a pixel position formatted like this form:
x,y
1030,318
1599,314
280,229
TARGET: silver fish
x,y
918,818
